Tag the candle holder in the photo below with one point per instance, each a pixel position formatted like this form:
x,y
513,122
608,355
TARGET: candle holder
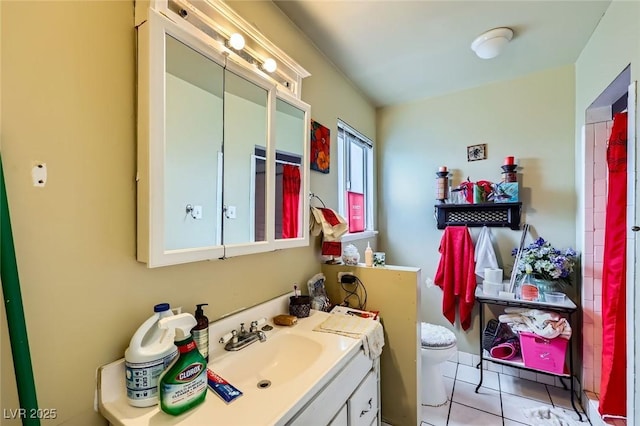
x,y
442,186
509,173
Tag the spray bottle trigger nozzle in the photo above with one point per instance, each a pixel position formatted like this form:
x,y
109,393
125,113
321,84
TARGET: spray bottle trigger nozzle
x,y
182,324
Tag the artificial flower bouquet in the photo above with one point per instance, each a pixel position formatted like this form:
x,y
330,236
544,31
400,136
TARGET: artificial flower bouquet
x,y
542,260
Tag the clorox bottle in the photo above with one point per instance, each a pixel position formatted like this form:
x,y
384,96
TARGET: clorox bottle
x,y
184,384
150,352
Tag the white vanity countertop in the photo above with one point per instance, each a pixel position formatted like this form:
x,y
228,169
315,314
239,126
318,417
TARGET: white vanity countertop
x,y
274,405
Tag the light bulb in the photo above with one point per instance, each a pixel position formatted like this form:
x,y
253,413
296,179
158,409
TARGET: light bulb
x,y
236,41
269,65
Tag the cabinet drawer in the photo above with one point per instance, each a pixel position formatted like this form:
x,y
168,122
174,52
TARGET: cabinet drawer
x,y
363,404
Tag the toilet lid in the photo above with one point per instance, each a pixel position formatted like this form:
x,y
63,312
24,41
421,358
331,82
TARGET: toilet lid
x,y
436,336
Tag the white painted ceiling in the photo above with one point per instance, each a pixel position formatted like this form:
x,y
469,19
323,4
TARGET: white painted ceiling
x,y
398,51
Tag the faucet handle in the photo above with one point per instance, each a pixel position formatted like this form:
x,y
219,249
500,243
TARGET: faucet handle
x,y
256,323
242,330
233,334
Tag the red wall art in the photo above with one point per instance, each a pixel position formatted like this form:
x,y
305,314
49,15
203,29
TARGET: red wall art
x,y
320,147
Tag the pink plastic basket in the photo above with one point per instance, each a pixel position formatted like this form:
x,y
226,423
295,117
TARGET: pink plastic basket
x,y
543,354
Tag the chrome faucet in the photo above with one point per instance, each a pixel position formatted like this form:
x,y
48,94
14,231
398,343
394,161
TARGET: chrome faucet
x,y
242,339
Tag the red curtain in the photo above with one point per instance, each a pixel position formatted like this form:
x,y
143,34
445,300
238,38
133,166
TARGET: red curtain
x,y
290,200
613,383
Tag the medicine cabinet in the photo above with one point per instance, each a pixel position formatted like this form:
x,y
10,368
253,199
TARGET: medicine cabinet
x,y
222,145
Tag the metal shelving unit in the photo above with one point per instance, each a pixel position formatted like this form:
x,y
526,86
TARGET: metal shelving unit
x,y
506,215
567,307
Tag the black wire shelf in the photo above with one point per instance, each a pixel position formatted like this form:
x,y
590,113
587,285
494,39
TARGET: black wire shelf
x,y
505,215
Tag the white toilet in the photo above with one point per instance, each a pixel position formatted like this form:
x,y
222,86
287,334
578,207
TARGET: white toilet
x,y
438,345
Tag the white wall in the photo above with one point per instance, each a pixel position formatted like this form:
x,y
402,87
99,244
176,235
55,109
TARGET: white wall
x,y
530,118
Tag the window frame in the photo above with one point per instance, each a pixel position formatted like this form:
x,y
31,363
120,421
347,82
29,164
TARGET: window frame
x,y
344,153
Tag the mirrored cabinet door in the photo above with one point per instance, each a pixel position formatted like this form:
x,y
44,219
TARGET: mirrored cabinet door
x,y
291,164
180,134
289,169
193,144
246,101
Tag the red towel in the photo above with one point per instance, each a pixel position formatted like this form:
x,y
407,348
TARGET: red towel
x,y
456,274
330,216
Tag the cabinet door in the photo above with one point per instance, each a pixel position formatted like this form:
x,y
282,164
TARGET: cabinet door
x,y
341,419
363,404
180,125
246,105
290,222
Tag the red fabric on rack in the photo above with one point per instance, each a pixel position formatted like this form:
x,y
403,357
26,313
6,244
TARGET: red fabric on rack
x,y
456,274
613,380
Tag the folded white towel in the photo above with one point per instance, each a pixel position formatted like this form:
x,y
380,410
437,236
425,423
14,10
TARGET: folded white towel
x,y
485,255
369,331
543,323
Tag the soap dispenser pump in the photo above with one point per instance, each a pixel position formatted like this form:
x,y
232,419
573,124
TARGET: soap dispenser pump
x,y
201,331
184,384
368,255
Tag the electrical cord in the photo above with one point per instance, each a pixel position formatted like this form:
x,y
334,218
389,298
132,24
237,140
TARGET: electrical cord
x,y
359,291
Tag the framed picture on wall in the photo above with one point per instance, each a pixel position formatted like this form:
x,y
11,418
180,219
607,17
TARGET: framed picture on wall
x,y
477,152
320,147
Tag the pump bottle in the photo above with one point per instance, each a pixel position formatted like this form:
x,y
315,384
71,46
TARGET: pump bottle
x,y
368,255
200,332
184,384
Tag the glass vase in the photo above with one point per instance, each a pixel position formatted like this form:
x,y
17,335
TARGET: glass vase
x,y
547,286
527,289
533,288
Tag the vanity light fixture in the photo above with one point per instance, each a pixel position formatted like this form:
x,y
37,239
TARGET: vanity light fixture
x,y
236,41
491,43
238,38
269,65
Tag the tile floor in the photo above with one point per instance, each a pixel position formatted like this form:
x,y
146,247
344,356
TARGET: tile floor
x,y
500,402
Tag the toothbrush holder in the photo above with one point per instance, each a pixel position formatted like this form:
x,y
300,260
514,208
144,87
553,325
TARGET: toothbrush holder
x,y
299,306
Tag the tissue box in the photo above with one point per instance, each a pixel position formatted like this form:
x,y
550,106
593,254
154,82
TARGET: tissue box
x,y
506,192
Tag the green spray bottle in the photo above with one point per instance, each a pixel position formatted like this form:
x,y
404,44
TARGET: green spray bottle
x,y
183,385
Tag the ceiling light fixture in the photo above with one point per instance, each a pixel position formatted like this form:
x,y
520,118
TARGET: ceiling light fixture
x,y
269,65
490,44
236,41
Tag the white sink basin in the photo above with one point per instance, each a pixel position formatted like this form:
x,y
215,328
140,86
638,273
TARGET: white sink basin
x,y
279,359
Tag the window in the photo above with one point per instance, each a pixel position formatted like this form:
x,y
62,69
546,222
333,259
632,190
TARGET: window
x,y
355,179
